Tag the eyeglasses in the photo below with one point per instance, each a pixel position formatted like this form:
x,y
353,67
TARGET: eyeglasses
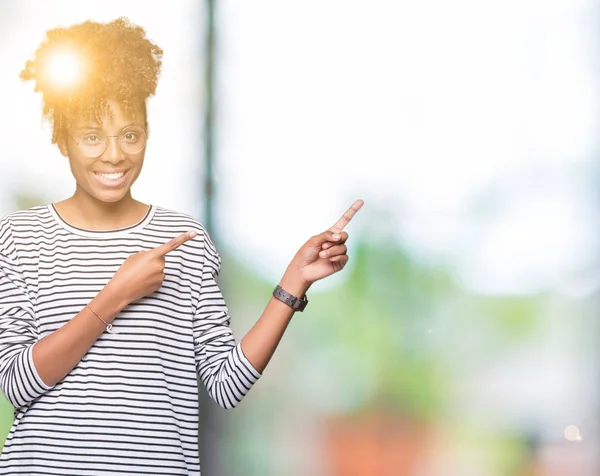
x,y
93,143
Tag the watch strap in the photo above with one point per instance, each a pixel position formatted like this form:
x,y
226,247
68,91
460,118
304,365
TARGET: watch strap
x,y
294,302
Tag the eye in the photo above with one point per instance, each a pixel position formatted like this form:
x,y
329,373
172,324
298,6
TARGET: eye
x,y
91,139
132,136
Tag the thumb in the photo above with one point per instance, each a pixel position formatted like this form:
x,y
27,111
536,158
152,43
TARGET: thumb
x,y
329,235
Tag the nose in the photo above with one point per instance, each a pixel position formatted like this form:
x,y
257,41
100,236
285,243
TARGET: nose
x,y
113,153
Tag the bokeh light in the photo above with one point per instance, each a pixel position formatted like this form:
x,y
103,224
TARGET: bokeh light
x,y
572,433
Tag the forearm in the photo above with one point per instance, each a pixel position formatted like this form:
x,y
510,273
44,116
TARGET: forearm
x,y
57,354
262,339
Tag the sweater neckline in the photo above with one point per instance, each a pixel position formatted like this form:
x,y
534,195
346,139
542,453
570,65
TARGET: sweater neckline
x,y
102,233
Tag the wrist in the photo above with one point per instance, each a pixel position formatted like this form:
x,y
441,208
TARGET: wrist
x,y
111,300
293,283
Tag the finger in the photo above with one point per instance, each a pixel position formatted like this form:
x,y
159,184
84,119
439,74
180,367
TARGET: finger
x,y
333,238
346,217
343,238
335,251
175,243
338,262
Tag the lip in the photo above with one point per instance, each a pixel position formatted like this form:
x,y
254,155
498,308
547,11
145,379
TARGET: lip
x,y
124,171
114,183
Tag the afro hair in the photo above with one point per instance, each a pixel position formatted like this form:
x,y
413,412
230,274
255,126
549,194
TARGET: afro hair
x,y
118,63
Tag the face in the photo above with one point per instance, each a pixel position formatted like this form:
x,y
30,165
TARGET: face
x,y
108,177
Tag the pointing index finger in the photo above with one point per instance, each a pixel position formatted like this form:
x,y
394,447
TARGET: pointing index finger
x,y
174,243
346,217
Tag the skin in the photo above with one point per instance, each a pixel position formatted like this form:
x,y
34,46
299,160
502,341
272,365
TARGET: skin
x,y
96,206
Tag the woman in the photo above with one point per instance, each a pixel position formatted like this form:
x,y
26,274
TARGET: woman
x,y
109,307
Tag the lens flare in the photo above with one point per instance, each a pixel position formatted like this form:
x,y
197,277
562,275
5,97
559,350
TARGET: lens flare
x,y
64,68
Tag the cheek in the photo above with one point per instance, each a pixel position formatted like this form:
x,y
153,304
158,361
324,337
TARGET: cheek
x,y
138,165
78,166
75,167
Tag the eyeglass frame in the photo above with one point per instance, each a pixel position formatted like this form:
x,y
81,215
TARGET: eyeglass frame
x,y
106,143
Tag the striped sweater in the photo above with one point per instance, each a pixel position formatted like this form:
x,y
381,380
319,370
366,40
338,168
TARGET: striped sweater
x,y
131,405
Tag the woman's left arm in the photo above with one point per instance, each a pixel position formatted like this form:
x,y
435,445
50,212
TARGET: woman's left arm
x,y
229,370
320,257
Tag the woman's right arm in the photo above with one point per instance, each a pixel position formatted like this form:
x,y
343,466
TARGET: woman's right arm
x,y
30,367
58,353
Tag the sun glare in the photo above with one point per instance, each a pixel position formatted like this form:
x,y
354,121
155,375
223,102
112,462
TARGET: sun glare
x,y
64,68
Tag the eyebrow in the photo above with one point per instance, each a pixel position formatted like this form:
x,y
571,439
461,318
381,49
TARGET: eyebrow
x,y
98,128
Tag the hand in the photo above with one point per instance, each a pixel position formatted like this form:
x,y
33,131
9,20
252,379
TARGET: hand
x,y
324,254
144,272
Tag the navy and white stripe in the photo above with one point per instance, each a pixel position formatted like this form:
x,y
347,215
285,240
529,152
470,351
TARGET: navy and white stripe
x,y
131,405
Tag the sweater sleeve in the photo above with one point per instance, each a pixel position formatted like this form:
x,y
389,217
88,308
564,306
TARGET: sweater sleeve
x,y
19,379
224,369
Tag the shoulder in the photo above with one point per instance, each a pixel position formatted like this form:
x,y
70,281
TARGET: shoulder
x,y
177,223
32,214
22,220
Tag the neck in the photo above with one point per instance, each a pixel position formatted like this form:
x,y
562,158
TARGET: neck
x,y
84,211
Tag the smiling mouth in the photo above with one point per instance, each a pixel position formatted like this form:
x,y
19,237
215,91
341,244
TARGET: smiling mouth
x,y
112,177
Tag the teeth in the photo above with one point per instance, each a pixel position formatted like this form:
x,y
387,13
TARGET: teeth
x,y
112,177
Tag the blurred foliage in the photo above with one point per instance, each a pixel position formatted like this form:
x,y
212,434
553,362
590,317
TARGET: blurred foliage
x,y
23,201
6,418
503,453
382,315
516,316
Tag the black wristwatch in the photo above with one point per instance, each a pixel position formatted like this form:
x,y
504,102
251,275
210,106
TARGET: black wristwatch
x,y
295,303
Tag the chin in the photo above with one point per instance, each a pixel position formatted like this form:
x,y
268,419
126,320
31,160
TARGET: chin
x,y
113,197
